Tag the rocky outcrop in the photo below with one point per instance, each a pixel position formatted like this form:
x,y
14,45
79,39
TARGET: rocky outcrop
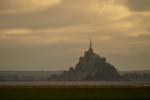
x,y
91,67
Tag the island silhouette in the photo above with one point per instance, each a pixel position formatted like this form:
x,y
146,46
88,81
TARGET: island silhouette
x,y
91,67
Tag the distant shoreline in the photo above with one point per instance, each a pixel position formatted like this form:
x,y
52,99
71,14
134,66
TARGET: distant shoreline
x,y
97,83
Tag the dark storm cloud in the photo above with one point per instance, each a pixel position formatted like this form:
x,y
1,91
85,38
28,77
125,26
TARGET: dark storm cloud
x,y
139,5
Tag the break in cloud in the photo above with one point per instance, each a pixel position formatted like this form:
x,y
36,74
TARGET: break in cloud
x,y
52,34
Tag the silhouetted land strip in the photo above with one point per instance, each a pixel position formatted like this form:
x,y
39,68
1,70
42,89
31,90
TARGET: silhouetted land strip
x,y
74,93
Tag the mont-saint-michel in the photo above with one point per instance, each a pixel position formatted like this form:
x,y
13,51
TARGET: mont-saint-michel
x,y
91,67
41,43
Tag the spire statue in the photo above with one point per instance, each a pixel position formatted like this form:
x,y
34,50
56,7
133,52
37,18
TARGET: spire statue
x,y
90,43
90,48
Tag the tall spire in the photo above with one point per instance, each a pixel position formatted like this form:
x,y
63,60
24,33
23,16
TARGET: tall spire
x,y
90,43
90,48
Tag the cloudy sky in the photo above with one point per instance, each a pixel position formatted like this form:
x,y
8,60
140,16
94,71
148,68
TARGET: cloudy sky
x,y
53,34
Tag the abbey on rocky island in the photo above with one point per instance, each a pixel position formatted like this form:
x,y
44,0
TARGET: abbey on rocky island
x,y
91,67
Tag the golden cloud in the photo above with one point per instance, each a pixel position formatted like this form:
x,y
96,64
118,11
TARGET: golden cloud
x,y
13,6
